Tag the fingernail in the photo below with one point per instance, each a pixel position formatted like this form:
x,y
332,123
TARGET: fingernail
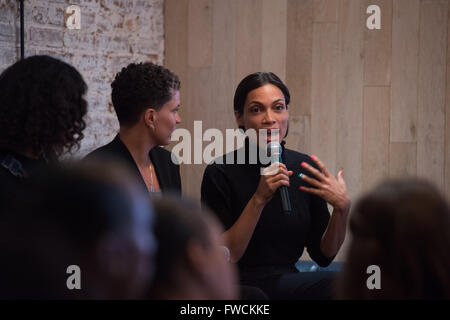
x,y
303,164
342,172
300,175
313,157
301,188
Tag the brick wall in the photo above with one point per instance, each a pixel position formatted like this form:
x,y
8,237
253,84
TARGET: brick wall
x,y
113,33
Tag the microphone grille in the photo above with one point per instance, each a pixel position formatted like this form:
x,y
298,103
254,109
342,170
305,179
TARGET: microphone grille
x,y
274,147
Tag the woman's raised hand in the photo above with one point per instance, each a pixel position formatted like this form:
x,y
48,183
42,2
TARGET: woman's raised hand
x,y
332,190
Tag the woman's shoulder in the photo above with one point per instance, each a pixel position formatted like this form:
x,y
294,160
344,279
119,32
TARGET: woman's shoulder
x,y
223,164
295,155
164,155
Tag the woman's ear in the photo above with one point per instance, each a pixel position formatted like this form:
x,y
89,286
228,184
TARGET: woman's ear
x,y
239,118
150,116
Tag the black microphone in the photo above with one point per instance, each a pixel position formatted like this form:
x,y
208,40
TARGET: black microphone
x,y
274,151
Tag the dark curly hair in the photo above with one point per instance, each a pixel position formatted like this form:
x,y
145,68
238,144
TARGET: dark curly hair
x,y
41,107
141,86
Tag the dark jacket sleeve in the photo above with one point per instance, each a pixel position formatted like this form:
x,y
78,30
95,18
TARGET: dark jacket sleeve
x,y
216,194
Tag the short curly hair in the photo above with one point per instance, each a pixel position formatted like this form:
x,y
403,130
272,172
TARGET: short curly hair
x,y
41,107
140,86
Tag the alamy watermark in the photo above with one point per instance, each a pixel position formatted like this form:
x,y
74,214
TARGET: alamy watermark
x,y
74,280
234,138
374,280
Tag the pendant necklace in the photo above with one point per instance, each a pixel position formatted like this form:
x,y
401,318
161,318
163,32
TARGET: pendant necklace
x,y
152,189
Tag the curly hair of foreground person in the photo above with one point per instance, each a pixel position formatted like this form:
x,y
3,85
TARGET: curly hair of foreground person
x,y
41,107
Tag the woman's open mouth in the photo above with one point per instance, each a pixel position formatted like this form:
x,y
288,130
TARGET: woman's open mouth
x,y
273,134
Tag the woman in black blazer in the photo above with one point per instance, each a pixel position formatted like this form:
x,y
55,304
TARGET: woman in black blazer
x,y
146,98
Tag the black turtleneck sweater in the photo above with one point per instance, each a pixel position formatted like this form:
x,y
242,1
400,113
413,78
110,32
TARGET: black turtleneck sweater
x,y
278,239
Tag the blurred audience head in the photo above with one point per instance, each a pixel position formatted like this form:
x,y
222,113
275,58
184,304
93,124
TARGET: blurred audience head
x,y
89,215
42,107
190,263
402,226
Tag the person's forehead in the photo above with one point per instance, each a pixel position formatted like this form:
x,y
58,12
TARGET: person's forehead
x,y
268,92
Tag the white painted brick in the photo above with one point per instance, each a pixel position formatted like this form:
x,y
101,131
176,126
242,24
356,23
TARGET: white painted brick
x,y
113,34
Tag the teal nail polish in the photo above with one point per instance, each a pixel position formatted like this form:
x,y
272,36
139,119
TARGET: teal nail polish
x,y
300,175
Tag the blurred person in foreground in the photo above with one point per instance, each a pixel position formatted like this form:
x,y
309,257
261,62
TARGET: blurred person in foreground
x,y
88,215
191,264
42,106
402,227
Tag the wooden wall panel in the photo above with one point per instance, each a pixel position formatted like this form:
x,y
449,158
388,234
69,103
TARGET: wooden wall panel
x,y
299,137
447,117
349,121
299,55
375,160
200,33
199,94
431,101
224,61
338,72
176,41
326,10
402,159
323,114
274,37
248,38
175,29
378,47
405,65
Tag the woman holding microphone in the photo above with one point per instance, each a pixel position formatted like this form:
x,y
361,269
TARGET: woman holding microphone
x,y
264,242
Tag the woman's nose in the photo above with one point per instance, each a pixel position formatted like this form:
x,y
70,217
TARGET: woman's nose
x,y
268,117
178,118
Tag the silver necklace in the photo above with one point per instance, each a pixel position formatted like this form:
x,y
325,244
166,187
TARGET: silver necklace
x,y
152,188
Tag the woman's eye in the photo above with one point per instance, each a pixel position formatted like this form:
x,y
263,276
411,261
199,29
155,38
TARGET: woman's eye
x,y
254,110
279,107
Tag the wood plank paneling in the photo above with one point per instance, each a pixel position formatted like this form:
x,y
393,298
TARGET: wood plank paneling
x,y
316,46
299,55
200,33
274,34
176,41
199,101
431,100
378,47
323,114
402,159
326,10
405,65
350,102
299,134
175,35
224,60
447,118
375,160
248,38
